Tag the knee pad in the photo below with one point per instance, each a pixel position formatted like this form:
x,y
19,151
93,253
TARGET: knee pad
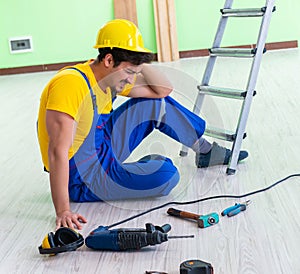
x,y
64,239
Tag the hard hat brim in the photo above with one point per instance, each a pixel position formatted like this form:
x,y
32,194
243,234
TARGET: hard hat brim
x,y
136,49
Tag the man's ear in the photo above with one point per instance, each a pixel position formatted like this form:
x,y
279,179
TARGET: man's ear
x,y
108,60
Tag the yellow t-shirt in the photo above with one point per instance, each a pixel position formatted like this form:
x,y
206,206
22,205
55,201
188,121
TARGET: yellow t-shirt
x,y
68,92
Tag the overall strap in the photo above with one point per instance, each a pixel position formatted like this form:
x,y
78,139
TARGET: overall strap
x,y
89,85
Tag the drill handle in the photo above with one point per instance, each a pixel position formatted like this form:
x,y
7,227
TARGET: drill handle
x,y
183,214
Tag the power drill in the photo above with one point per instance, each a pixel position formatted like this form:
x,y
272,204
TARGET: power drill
x,y
128,238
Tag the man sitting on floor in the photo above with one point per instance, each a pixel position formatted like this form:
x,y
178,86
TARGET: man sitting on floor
x,y
84,141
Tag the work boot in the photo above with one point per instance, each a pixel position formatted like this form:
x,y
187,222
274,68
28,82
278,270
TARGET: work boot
x,y
218,155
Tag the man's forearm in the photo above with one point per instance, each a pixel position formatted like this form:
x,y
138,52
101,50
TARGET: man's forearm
x,y
156,80
59,179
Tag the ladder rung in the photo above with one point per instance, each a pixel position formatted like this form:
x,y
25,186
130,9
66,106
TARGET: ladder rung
x,y
252,12
221,134
223,92
249,12
233,52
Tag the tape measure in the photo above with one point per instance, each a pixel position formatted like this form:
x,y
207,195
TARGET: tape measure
x,y
196,267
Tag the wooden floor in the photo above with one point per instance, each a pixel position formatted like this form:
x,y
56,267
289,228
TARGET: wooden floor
x,y
265,239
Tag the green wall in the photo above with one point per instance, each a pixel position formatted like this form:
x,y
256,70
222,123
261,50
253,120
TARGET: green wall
x,y
65,30
197,21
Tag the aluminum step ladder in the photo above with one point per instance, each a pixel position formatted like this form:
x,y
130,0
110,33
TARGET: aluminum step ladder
x,y
245,95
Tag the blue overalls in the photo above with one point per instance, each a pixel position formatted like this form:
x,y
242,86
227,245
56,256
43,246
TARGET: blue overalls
x,y
97,170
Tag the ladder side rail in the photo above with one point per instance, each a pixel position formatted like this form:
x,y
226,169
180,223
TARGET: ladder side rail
x,y
212,59
209,66
236,147
216,44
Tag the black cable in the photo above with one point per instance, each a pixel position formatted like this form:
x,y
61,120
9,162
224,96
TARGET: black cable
x,y
205,199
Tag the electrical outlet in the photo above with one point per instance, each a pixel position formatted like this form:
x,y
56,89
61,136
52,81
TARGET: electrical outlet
x,y
20,44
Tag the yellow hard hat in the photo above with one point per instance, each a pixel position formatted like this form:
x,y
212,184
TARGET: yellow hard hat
x,y
120,33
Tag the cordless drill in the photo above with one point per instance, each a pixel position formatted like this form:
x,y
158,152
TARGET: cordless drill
x,y
128,238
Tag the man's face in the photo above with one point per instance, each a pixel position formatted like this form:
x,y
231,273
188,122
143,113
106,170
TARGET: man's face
x,y
124,74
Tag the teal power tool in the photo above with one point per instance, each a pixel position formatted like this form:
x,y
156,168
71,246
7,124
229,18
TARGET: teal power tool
x,y
129,238
236,209
202,220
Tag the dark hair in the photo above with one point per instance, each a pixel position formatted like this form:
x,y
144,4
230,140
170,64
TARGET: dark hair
x,y
123,55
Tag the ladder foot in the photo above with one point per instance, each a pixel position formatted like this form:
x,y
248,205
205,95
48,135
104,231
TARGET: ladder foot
x,y
230,171
183,153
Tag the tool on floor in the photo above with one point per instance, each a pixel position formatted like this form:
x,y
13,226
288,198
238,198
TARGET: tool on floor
x,y
246,95
196,267
190,267
202,220
129,238
236,209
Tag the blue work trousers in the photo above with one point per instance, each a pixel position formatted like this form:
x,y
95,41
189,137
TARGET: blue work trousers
x,y
98,170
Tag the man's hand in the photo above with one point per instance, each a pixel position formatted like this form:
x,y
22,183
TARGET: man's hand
x,y
69,219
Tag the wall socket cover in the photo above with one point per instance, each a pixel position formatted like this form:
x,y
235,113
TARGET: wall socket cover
x,y
20,44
